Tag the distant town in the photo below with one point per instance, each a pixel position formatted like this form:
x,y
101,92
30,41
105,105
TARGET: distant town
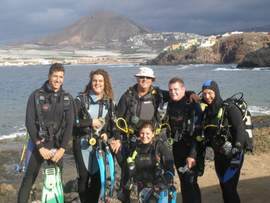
x,y
32,54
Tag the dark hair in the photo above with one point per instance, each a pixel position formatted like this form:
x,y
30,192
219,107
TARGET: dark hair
x,y
147,124
56,67
108,92
176,79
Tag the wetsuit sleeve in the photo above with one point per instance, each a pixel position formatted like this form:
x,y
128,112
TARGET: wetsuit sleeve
x,y
238,128
122,106
83,121
166,157
121,111
165,95
109,120
69,117
31,117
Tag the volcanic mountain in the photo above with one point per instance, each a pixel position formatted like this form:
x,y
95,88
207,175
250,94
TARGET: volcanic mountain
x,y
102,30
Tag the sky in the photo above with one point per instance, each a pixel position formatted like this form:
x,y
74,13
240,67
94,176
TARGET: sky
x,y
29,19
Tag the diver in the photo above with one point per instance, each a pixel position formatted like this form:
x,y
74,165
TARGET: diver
x,y
95,112
49,122
150,165
184,117
224,131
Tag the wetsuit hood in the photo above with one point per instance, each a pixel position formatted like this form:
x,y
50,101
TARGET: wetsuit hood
x,y
217,102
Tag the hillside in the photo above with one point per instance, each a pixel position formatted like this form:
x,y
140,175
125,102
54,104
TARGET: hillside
x,y
102,30
231,48
106,30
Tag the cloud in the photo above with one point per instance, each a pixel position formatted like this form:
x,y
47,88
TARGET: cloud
x,y
31,18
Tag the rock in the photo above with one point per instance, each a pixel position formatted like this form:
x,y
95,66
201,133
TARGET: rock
x,y
6,188
259,58
229,49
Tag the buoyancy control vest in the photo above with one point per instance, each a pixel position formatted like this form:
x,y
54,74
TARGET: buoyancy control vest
x,y
145,163
218,129
105,106
48,105
182,118
142,108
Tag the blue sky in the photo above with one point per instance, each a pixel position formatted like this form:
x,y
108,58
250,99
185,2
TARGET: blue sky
x,y
29,19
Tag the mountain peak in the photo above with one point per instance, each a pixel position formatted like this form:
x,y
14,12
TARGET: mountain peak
x,y
101,30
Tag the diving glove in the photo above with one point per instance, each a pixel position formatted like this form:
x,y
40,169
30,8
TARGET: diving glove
x,y
237,157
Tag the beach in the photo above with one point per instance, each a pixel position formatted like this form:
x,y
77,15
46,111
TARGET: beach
x,y
253,185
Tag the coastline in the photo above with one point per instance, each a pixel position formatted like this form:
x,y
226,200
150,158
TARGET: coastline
x,y
253,181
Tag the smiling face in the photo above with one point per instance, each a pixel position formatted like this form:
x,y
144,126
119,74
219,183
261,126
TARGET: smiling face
x,y
98,84
208,96
146,135
176,91
56,80
144,83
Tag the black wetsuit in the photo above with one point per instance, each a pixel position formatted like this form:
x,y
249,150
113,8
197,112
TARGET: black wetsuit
x,y
89,179
135,110
183,116
228,173
153,165
58,119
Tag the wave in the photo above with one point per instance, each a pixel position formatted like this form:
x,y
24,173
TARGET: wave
x,y
259,110
261,69
12,135
241,69
20,132
228,69
183,67
122,65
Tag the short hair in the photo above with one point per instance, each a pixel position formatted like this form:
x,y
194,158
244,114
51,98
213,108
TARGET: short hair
x,y
147,124
176,79
56,67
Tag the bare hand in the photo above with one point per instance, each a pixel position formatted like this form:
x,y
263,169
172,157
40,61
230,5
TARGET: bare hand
x,y
191,162
96,123
58,155
104,137
194,98
45,153
115,145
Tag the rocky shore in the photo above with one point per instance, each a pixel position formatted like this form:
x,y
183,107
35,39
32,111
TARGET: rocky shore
x,y
253,186
246,49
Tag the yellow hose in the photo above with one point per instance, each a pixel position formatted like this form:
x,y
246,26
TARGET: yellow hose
x,y
124,128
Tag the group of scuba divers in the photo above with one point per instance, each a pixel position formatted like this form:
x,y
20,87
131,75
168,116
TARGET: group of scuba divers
x,y
151,133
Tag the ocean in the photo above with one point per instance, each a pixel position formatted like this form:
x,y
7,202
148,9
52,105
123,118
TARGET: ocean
x,y
17,83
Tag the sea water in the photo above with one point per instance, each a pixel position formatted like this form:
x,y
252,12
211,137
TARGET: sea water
x,y
17,83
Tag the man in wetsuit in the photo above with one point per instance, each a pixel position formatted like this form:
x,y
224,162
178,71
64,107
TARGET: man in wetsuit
x,y
183,116
49,122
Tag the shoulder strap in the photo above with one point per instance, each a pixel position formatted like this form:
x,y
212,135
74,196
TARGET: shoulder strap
x,y
39,100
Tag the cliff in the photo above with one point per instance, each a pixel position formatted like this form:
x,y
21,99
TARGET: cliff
x,y
226,49
259,58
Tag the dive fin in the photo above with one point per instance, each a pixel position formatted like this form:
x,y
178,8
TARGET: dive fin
x,y
52,191
110,162
102,171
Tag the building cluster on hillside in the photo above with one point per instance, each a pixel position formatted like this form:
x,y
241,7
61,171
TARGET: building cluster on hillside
x,y
163,38
202,42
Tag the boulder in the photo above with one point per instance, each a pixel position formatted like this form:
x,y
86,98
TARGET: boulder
x,y
259,58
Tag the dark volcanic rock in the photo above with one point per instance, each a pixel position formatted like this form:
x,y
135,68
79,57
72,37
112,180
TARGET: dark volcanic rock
x,y
259,58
